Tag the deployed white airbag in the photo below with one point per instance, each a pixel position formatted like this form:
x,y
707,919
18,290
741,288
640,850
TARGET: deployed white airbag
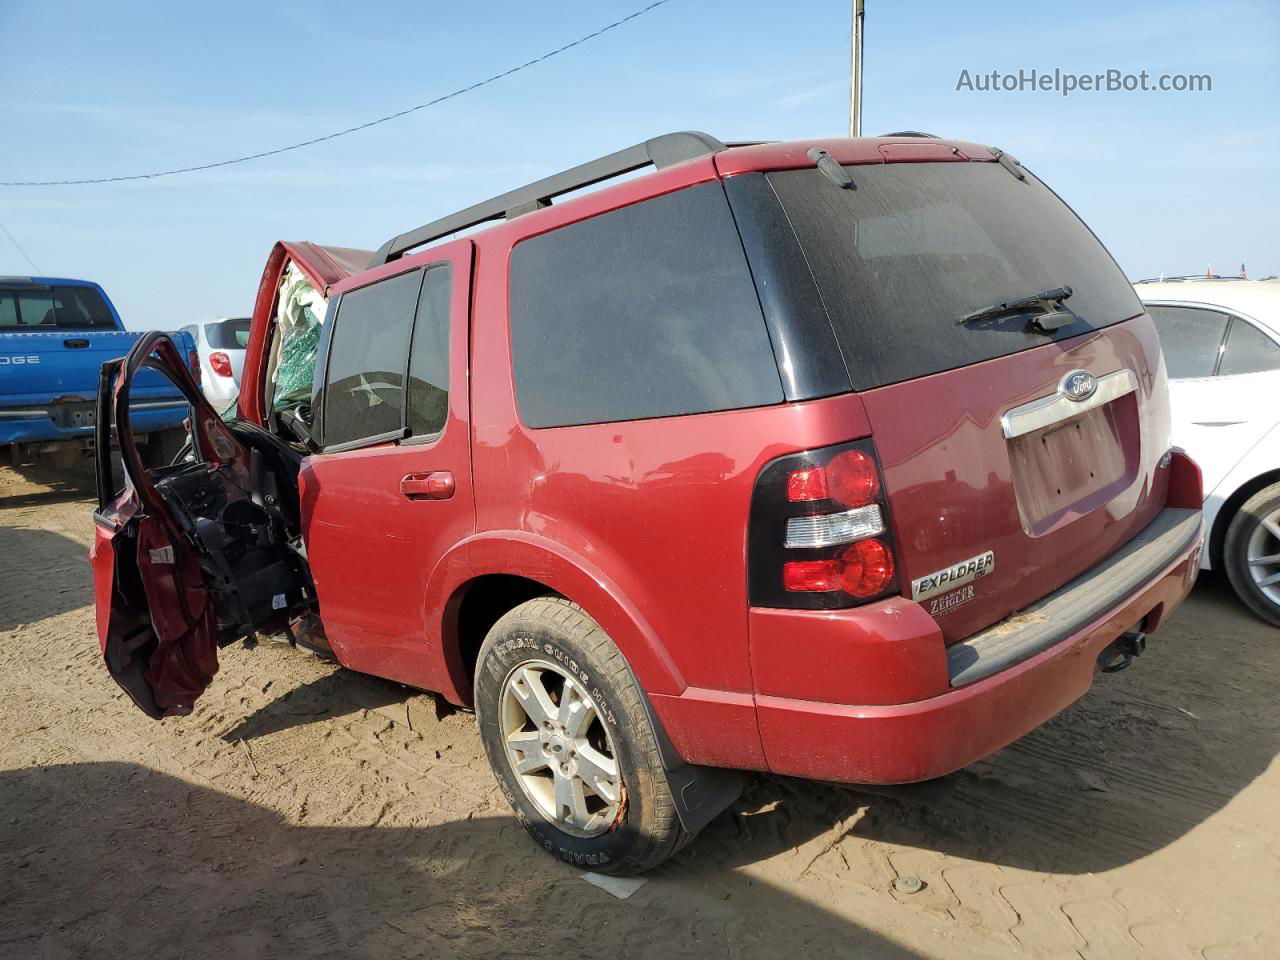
x,y
300,312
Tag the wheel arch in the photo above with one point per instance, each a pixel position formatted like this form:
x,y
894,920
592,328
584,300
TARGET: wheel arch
x,y
1230,506
501,571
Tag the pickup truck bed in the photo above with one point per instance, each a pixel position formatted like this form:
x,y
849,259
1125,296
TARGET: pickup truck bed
x,y
55,334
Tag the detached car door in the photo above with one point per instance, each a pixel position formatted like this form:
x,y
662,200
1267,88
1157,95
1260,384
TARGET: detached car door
x,y
191,556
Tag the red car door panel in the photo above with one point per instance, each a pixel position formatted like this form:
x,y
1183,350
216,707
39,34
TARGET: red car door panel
x,y
155,624
192,555
378,519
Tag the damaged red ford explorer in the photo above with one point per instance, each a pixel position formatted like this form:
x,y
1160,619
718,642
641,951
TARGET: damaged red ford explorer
x,y
841,459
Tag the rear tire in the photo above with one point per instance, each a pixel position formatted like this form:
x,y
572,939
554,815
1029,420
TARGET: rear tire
x,y
1254,536
631,824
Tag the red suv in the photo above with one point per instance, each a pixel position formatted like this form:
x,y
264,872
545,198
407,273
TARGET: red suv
x,y
842,459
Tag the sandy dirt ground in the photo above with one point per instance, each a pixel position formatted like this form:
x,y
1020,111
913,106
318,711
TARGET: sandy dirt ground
x,y
305,811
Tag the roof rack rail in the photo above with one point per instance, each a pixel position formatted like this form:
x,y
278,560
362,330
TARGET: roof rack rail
x,y
664,151
911,133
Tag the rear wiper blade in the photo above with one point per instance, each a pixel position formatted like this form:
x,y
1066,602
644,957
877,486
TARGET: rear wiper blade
x,y
1046,301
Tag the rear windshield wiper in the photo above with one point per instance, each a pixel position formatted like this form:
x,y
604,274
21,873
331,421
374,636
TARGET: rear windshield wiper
x,y
1046,301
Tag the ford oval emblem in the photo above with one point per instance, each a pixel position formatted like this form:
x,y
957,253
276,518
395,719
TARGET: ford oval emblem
x,y
1078,385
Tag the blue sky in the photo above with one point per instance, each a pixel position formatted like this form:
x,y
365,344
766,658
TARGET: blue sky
x,y
1170,181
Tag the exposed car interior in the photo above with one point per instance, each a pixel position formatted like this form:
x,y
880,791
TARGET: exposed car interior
x,y
234,489
292,352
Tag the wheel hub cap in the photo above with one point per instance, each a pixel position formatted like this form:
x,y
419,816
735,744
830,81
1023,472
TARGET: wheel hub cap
x,y
560,749
1262,553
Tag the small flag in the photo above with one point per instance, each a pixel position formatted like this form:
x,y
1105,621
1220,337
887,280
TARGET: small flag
x,y
1242,276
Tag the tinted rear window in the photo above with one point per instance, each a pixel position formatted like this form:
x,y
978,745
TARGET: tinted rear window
x,y
228,334
647,311
918,245
55,307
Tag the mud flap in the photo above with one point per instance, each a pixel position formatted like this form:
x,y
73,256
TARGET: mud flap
x,y
700,793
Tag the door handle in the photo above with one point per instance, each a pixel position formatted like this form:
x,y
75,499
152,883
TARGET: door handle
x,y
438,485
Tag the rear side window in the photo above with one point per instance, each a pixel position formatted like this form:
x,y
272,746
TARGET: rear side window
x,y
1190,339
8,308
1248,350
913,247
647,311
60,307
368,353
228,334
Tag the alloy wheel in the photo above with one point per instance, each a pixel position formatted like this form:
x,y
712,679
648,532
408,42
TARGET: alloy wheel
x,y
560,749
1262,554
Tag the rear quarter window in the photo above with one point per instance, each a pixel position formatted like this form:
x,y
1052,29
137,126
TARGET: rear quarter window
x,y
1248,350
647,311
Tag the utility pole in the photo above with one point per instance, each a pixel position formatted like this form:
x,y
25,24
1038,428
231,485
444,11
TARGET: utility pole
x,y
855,72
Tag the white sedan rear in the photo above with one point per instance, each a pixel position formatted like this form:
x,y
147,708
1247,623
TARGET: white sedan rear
x,y
221,344
1221,343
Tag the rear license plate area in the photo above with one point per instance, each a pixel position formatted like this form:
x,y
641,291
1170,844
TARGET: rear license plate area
x,y
1074,466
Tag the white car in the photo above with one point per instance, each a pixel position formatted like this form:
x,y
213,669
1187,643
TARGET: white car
x,y
220,344
1221,342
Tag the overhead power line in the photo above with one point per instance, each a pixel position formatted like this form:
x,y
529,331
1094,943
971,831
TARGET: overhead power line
x,y
340,133
16,244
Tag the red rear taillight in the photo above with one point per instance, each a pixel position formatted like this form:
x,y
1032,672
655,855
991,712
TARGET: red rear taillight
x,y
868,568
193,362
851,478
819,536
862,570
220,363
807,484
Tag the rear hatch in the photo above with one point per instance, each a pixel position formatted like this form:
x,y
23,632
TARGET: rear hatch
x,y
54,338
1015,457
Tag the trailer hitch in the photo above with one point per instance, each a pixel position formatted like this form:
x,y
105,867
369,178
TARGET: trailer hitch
x,y
1119,654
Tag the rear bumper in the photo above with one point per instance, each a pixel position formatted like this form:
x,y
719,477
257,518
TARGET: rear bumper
x,y
218,390
999,684
61,422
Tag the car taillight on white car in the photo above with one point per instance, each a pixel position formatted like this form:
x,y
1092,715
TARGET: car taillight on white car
x,y
819,535
220,363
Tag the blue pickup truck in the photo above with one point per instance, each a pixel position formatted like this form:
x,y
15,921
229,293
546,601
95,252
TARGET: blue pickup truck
x,y
55,334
